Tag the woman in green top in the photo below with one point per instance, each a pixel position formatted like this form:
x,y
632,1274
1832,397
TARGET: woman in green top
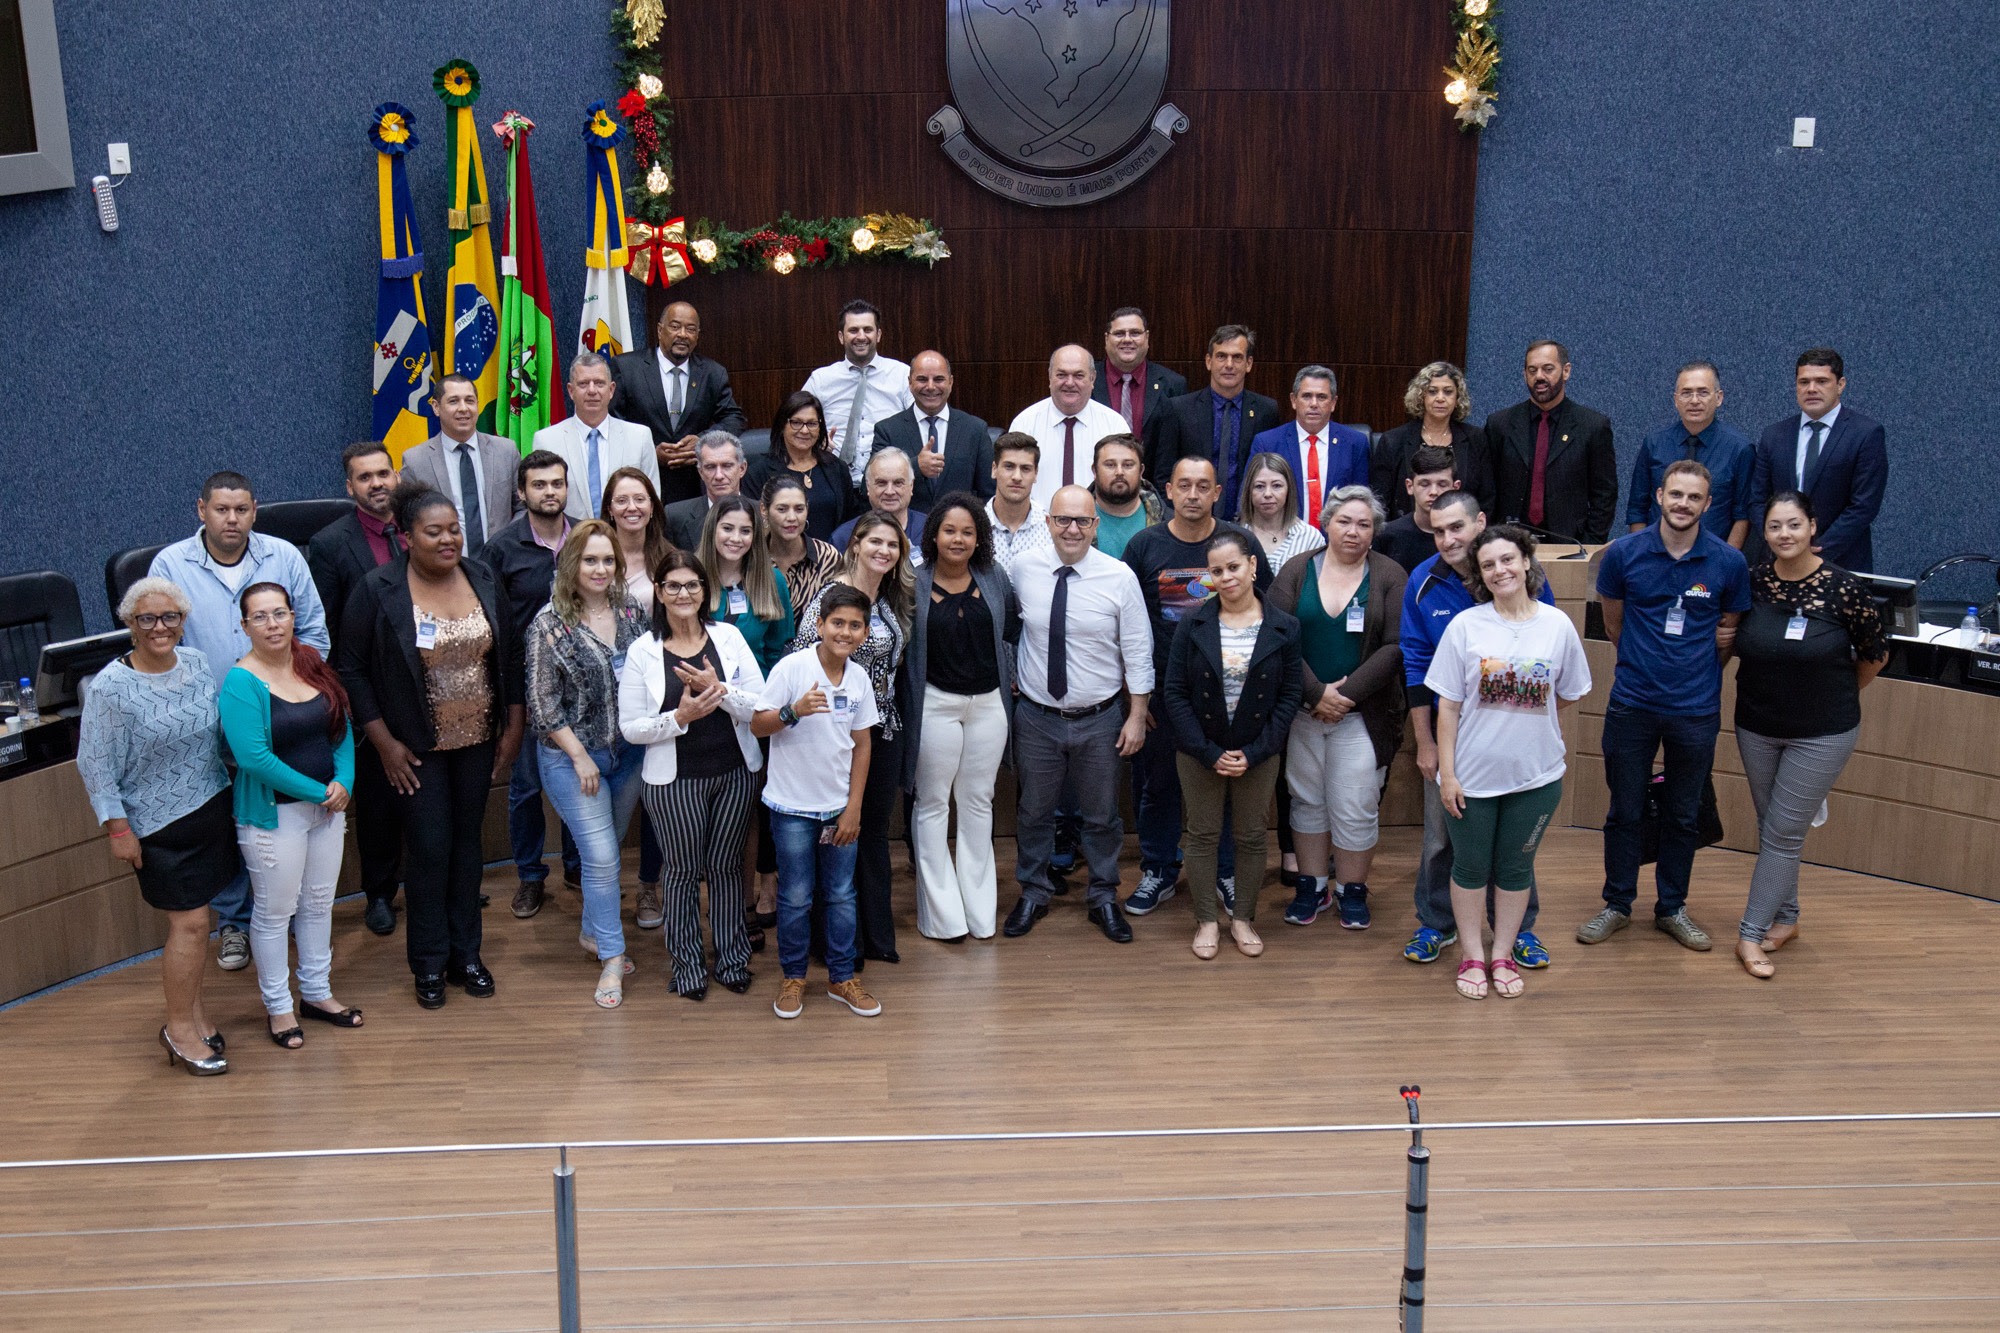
x,y
1349,604
285,717
749,592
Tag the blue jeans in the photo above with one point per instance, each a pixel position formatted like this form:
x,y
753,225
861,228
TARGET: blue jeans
x,y
1631,737
232,905
599,825
809,869
1156,806
527,828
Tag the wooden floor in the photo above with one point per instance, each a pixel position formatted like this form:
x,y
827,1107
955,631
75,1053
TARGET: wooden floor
x,y
1886,1003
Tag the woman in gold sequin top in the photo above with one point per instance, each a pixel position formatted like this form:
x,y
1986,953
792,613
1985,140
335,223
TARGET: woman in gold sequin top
x,y
433,670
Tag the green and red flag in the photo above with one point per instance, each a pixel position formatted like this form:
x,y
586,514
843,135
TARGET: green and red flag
x,y
529,398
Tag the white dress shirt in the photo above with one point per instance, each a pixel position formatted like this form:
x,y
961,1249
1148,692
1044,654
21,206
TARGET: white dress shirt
x,y
1108,638
1010,544
1317,451
1044,421
668,370
888,394
924,429
452,449
1805,439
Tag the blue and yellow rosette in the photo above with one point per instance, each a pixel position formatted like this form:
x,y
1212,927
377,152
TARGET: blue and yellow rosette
x,y
393,130
602,134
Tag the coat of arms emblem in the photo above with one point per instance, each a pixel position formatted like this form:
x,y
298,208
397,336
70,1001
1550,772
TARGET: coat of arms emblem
x,y
1057,101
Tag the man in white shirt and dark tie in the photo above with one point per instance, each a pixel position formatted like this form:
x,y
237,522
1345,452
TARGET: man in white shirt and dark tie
x,y
861,388
475,469
1085,637
1067,423
593,443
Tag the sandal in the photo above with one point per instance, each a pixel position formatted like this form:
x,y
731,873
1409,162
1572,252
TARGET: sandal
x,y
1507,989
610,992
1472,990
340,1018
291,1038
1753,960
1250,947
1206,946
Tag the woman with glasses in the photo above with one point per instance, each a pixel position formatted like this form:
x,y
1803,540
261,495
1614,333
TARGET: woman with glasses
x,y
150,756
799,447
688,694
1439,404
284,715
632,506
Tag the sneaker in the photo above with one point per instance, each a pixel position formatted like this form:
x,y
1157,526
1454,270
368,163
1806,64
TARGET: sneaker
x,y
1528,951
1427,944
791,999
652,910
1354,907
234,955
1307,903
1603,926
1682,927
1154,889
849,993
1225,886
528,899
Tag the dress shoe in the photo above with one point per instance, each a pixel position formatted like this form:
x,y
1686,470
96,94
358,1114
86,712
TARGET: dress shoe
x,y
1023,918
478,982
697,994
528,899
882,955
1112,922
430,990
739,985
381,917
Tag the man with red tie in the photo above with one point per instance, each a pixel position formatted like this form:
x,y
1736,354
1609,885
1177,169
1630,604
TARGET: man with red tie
x,y
1554,465
1323,454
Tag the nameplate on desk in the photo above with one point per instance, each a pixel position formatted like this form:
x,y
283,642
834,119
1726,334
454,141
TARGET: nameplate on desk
x,y
1978,666
13,749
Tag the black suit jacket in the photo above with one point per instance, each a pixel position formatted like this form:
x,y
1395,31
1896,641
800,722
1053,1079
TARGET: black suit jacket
x,y
1389,464
340,557
709,406
1162,387
1846,486
1186,429
684,520
376,653
968,454
1580,497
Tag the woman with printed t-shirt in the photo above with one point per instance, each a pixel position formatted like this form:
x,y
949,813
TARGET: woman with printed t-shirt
x,y
1501,674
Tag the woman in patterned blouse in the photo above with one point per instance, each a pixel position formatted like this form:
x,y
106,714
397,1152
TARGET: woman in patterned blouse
x,y
1270,509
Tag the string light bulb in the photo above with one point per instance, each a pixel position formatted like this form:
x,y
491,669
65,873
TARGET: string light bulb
x,y
656,180
705,250
1455,92
650,87
863,240
1477,8
784,261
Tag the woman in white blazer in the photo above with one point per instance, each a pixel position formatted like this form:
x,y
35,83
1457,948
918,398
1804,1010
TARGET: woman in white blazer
x,y
689,690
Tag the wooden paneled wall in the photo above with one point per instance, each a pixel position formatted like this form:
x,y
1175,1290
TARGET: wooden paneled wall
x,y
1322,195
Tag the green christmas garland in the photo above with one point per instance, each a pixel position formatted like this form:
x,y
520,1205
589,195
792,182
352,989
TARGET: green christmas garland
x,y
1474,63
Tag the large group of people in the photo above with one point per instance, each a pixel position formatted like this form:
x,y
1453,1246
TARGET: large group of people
x,y
764,658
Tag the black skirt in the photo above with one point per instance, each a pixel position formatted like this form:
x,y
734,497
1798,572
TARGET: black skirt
x,y
192,859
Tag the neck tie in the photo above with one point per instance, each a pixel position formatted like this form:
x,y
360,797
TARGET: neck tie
x,y
1069,452
1538,481
393,540
1059,635
1125,402
930,441
679,405
849,443
1312,480
468,485
1818,428
596,473
1693,447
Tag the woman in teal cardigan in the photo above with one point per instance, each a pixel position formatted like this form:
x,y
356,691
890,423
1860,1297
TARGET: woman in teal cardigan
x,y
285,717
749,593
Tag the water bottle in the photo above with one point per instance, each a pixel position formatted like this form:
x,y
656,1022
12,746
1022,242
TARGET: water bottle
x,y
1968,637
28,713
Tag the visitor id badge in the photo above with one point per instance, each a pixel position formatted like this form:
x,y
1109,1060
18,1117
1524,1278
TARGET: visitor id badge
x,y
1356,616
427,634
1677,618
739,602
841,708
1795,628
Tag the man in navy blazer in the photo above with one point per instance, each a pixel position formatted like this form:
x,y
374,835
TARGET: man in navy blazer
x,y
1128,383
1209,421
1833,454
1314,445
950,451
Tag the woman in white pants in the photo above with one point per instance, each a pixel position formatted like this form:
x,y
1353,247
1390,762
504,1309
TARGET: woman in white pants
x,y
961,664
285,717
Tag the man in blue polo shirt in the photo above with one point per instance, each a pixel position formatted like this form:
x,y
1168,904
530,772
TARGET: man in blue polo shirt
x,y
1672,595
1436,592
1727,454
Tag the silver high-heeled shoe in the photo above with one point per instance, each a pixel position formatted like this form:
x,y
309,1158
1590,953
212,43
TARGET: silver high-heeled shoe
x,y
197,1066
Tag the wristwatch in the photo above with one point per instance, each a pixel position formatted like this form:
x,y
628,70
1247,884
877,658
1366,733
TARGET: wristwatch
x,y
787,716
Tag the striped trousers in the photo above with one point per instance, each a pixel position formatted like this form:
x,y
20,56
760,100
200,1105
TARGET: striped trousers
x,y
701,824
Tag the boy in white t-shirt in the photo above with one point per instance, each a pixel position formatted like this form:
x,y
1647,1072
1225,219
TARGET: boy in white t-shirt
x,y
816,708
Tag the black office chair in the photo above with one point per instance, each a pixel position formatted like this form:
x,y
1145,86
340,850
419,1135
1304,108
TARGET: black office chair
x,y
35,608
296,521
125,568
756,443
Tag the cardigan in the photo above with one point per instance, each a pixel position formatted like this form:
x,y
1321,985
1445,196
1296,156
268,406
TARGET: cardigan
x,y
998,591
643,688
1376,686
1197,709
573,675
260,775
768,639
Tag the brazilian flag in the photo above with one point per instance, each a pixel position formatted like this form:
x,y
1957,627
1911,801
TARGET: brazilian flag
x,y
403,414
472,338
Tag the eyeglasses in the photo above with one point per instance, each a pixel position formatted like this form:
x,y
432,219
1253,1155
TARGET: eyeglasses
x,y
170,619
1694,395
681,589
268,617
808,424
1071,521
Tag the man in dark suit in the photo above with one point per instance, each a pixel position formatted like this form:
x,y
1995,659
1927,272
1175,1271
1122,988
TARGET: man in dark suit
x,y
722,468
1554,464
1833,454
340,555
1218,422
678,396
1128,383
952,451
